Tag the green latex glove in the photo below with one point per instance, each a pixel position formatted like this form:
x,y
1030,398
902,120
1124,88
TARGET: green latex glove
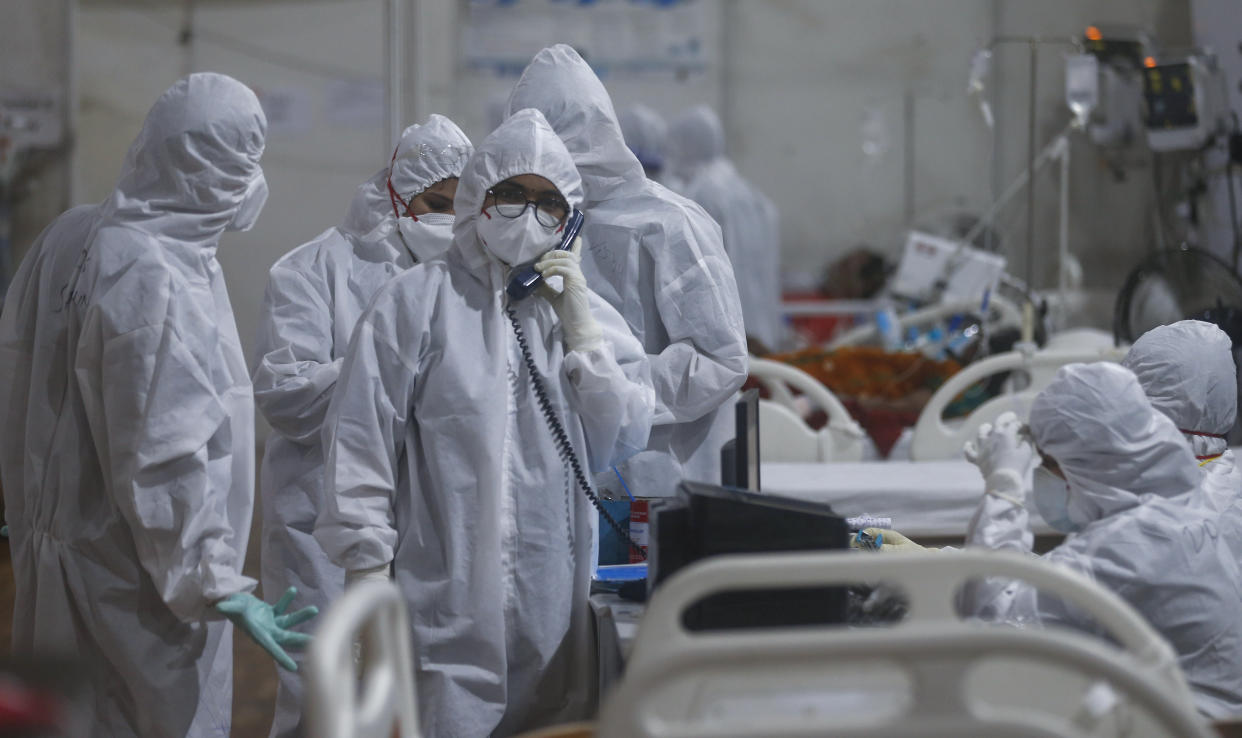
x,y
268,625
4,531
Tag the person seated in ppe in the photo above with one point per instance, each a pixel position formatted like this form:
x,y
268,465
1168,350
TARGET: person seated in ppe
x,y
458,437
127,428
1123,483
315,294
658,259
1188,373
748,220
646,134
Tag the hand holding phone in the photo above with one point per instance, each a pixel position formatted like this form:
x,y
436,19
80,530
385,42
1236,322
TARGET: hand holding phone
x,y
580,330
526,278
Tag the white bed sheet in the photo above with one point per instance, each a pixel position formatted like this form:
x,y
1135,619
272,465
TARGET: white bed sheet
x,y
928,498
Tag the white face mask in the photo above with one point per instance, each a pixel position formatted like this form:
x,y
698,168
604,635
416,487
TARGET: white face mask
x,y
1051,495
517,240
252,203
428,237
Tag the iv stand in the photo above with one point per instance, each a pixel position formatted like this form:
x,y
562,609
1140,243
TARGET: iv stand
x,y
1033,43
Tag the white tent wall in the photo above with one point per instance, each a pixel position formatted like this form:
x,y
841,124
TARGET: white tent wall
x,y
36,55
816,98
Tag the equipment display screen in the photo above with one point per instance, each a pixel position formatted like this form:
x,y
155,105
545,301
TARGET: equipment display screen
x,y
1169,91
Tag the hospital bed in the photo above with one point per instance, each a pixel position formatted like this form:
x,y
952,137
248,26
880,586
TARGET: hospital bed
x,y
931,674
935,439
783,436
376,699
931,497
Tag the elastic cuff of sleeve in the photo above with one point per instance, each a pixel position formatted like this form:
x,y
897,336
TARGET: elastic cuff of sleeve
x,y
1006,484
587,342
379,573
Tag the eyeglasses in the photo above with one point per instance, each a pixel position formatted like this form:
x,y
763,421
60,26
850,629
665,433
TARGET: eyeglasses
x,y
511,201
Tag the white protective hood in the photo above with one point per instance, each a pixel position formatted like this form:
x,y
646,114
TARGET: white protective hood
x,y
426,153
695,139
646,134
659,259
1187,371
558,83
507,153
189,168
1095,421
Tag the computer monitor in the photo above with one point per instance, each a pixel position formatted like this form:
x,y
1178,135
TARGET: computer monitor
x,y
739,457
704,520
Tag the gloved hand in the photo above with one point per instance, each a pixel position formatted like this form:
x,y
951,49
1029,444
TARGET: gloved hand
x,y
1004,456
573,302
891,540
4,531
269,625
374,574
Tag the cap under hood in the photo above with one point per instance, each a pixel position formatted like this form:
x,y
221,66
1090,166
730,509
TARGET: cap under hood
x,y
561,85
425,154
1188,373
1095,421
523,144
191,165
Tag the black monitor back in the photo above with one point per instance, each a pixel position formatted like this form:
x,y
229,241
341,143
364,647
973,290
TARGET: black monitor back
x,y
705,520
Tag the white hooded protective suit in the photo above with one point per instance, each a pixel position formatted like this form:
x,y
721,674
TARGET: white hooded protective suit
x,y
440,461
1133,489
658,259
127,424
315,295
748,219
646,134
1188,373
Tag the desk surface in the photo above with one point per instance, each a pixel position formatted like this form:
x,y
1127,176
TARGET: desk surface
x,y
928,498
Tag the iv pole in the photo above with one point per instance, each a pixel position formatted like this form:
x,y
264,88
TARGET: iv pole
x,y
1032,43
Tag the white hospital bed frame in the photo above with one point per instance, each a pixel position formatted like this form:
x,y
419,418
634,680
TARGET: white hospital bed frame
x,y
934,440
933,649
784,436
385,704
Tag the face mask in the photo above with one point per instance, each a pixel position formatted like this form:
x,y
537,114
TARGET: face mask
x,y
1051,495
428,237
251,205
517,240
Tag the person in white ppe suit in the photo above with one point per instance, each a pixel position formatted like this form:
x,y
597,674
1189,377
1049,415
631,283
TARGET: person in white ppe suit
x,y
699,169
315,294
658,259
1188,373
127,427
441,462
646,134
1126,490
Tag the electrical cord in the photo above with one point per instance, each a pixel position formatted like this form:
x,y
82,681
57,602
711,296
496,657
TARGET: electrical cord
x,y
560,437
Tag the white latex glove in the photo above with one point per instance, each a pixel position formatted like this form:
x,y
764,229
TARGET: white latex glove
x,y
1004,457
573,302
376,574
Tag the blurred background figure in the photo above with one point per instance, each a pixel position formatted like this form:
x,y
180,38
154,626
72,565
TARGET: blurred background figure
x,y
699,169
646,134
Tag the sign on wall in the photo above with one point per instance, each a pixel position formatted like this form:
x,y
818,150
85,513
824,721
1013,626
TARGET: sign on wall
x,y
621,39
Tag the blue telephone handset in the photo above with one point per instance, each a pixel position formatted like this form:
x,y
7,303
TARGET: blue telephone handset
x,y
526,279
